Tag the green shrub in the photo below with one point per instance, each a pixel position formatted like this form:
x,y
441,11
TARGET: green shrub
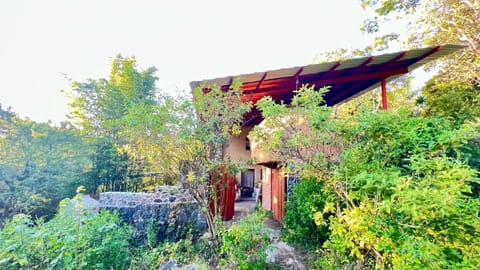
x,y
299,223
184,251
427,222
75,238
404,195
244,245
144,258
402,192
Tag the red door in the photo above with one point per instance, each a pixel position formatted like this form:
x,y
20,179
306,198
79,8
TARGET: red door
x,y
225,187
278,195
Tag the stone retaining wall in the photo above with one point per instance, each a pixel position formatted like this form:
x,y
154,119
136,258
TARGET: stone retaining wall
x,y
162,194
169,213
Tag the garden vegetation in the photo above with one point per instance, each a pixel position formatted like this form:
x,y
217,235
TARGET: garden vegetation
x,y
397,194
395,189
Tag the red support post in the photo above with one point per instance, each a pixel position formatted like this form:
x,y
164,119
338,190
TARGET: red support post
x,y
384,94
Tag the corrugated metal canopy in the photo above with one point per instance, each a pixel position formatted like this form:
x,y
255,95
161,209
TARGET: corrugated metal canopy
x,y
347,78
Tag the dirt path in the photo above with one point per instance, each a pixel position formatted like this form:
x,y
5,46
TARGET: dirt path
x,y
244,208
281,253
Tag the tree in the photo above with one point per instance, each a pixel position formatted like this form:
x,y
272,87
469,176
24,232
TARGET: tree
x,y
195,145
39,165
433,23
108,112
456,22
98,106
453,93
455,100
184,138
300,135
179,139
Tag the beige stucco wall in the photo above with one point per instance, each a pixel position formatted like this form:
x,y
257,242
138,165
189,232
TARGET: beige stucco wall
x,y
266,188
258,176
235,150
259,155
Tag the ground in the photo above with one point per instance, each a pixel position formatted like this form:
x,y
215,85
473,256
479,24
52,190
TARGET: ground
x,y
281,253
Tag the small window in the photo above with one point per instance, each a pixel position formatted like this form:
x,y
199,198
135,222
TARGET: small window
x,y
247,144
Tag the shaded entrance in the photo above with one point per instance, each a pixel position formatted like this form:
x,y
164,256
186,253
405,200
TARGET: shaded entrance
x,y
247,184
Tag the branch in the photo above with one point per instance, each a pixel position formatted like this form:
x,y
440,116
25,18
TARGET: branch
x,y
410,226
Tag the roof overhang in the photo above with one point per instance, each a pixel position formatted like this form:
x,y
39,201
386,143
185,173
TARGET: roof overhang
x,y
346,79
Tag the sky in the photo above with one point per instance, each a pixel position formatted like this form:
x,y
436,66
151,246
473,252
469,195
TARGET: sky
x,y
43,43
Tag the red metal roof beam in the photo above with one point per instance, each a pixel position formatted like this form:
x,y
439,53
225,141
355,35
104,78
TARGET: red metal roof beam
x,y
245,88
331,69
359,77
364,64
268,89
393,60
261,80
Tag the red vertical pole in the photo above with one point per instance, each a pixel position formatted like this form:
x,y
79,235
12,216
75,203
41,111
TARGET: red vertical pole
x,y
384,94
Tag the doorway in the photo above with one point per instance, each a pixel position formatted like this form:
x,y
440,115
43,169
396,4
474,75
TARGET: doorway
x,y
247,184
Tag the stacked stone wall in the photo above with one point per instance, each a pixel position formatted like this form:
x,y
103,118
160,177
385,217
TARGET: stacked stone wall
x,y
162,194
169,213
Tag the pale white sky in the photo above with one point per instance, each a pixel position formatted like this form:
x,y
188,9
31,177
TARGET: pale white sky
x,y
184,40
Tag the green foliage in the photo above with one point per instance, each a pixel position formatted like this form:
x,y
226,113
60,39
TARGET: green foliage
x,y
385,7
204,126
301,135
221,115
40,164
109,169
112,114
453,100
398,197
390,139
145,259
426,221
432,23
407,199
143,138
183,251
244,245
188,250
152,238
300,224
75,238
99,106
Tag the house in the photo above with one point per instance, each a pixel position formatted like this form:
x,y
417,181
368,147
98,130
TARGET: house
x,y
347,79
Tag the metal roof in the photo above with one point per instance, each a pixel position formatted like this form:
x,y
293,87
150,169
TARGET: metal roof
x,y
346,78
